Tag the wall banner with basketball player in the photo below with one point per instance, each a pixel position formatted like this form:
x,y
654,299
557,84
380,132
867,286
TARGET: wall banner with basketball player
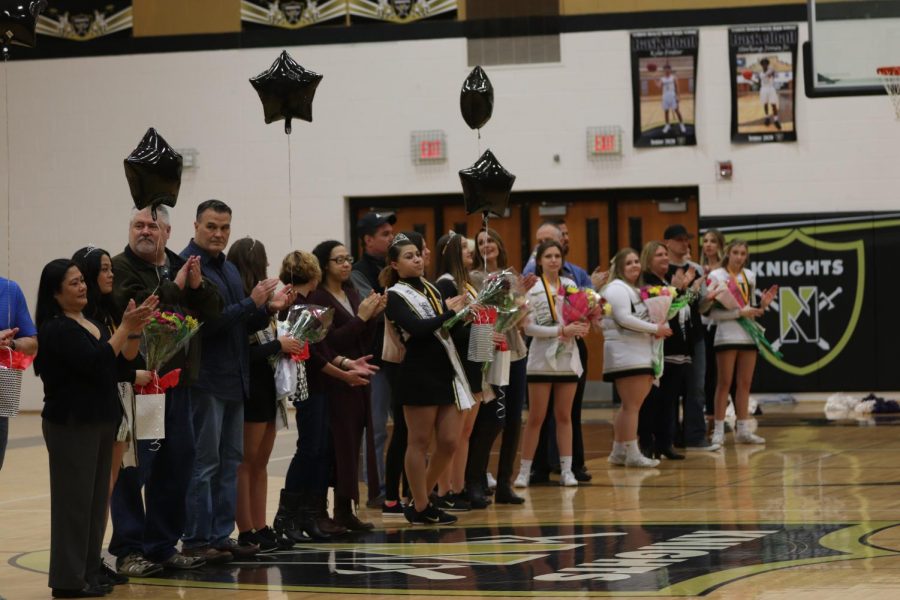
x,y
835,313
763,63
663,82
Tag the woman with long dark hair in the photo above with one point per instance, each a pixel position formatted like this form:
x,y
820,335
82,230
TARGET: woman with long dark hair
x,y
554,364
95,265
260,407
736,351
349,408
431,382
82,412
628,355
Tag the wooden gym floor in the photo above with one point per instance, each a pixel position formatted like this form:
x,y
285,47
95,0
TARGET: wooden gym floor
x,y
815,515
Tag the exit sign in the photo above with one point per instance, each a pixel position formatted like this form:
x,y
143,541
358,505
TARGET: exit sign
x,y
428,147
604,141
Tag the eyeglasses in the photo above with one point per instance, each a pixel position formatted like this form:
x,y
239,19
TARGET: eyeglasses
x,y
342,260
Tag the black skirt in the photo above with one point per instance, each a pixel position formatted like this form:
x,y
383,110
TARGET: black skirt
x,y
742,347
561,378
627,373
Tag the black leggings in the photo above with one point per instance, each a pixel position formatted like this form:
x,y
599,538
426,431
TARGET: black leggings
x,y
396,452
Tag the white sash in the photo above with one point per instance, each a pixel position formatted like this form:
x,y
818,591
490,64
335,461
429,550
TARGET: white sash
x,y
420,305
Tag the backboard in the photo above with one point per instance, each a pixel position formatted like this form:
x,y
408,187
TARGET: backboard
x,y
848,40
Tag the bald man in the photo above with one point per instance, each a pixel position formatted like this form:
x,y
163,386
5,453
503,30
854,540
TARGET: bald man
x,y
553,230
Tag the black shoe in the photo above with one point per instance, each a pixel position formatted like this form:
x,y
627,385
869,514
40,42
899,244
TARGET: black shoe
x,y
582,475
451,502
669,453
430,516
539,477
768,120
505,495
255,537
88,591
476,497
109,576
778,124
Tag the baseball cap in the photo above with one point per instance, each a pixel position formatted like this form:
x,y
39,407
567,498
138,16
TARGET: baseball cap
x,y
676,231
370,222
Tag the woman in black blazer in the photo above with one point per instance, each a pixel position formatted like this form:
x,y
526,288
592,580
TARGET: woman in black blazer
x,y
82,411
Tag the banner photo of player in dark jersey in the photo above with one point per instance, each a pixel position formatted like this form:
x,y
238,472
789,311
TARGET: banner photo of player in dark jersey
x,y
763,82
663,81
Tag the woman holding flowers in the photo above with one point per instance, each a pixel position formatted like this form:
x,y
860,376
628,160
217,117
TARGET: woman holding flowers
x,y
553,363
349,407
734,288
430,380
82,412
628,355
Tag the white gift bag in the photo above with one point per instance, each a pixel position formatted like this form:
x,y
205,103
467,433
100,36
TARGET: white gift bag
x,y
285,377
498,372
481,342
150,416
10,391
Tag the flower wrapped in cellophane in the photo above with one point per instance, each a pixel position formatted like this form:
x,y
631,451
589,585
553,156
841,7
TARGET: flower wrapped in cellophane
x,y
582,305
308,324
164,336
501,290
729,297
658,299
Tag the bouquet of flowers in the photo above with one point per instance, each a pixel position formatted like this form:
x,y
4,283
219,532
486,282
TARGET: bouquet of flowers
x,y
729,297
584,305
658,299
166,334
12,364
306,323
500,290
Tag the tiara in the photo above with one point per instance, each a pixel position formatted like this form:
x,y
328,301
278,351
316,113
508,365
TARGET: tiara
x,y
400,238
450,235
90,248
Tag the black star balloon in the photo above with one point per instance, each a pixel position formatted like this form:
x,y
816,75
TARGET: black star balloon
x,y
476,100
153,171
18,20
286,91
486,186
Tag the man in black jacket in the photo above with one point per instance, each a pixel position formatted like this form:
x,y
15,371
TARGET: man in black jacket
x,y
376,232
144,536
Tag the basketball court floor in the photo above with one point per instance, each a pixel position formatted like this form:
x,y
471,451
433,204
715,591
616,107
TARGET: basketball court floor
x,y
815,514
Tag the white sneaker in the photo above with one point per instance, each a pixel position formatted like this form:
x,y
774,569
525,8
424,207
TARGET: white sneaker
x,y
683,128
717,439
521,480
748,437
567,479
666,128
491,482
616,459
641,461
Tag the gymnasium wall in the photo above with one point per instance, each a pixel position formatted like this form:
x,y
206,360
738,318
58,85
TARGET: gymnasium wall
x,y
72,121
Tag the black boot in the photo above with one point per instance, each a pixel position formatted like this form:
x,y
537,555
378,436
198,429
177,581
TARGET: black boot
x,y
505,495
344,515
509,446
326,524
285,522
487,425
476,496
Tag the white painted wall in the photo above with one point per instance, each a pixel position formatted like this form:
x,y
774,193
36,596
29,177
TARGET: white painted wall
x,y
73,121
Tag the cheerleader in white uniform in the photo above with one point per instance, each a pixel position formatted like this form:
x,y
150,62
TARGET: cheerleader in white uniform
x,y
735,349
627,355
553,363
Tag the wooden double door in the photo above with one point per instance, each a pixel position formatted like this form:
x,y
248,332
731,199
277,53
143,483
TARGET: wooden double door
x,y
599,221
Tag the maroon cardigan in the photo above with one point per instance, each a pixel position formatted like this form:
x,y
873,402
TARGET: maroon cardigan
x,y
349,335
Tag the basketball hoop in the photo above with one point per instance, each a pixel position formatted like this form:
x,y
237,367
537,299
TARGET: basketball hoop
x,y
890,77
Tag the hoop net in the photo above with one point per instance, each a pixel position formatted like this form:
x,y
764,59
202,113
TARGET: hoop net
x,y
890,77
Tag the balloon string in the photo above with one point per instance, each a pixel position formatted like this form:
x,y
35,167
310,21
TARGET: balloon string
x,y
8,190
290,197
484,224
479,142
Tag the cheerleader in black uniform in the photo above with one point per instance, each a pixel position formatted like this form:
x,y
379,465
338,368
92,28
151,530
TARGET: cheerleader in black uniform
x,y
431,383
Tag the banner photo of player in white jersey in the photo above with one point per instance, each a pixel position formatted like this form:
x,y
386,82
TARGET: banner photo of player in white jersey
x,y
663,76
763,60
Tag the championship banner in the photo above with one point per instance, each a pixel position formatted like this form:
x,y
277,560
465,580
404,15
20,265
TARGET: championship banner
x,y
663,81
292,14
400,11
834,318
764,67
83,20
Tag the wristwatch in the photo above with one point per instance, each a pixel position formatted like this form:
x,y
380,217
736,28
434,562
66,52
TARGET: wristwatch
x,y
12,344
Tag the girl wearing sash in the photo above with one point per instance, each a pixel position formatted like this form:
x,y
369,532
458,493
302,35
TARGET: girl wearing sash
x,y
628,355
553,364
431,381
735,349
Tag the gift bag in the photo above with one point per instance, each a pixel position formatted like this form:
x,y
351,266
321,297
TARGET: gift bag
x,y
481,336
285,377
301,392
150,416
10,391
498,371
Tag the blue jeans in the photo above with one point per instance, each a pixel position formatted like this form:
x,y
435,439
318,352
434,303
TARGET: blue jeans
x,y
381,407
694,420
310,467
212,495
4,436
164,471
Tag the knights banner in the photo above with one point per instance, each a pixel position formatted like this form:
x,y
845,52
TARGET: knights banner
x,y
84,20
763,63
293,14
834,317
400,11
663,81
